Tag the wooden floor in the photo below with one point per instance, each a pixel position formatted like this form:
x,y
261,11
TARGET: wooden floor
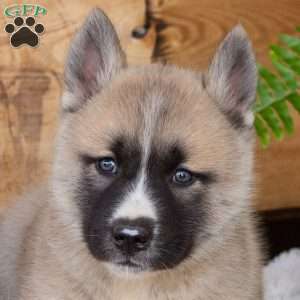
x,y
179,32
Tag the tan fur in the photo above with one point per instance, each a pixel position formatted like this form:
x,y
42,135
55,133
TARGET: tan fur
x,y
54,263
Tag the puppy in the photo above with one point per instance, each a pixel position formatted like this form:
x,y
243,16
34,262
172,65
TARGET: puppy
x,y
151,186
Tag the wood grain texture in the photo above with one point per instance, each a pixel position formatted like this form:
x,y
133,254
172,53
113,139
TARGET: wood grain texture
x,y
180,32
188,33
31,84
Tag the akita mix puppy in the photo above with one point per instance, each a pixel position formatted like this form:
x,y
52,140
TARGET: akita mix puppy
x,y
151,186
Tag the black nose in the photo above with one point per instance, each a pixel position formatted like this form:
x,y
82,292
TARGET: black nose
x,y
132,236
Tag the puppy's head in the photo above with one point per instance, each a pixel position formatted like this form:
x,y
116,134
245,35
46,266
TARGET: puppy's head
x,y
152,162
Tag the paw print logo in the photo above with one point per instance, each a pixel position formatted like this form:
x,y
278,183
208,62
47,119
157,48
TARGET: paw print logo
x,y
26,33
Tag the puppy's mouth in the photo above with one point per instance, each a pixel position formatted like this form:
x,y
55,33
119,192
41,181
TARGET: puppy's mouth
x,y
129,264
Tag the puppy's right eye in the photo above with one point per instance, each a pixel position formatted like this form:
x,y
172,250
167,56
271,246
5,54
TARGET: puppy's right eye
x,y
107,166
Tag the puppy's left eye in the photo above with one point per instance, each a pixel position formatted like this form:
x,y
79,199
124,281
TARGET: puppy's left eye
x,y
107,165
183,177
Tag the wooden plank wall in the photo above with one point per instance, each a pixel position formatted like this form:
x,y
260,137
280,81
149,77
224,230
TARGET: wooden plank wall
x,y
179,32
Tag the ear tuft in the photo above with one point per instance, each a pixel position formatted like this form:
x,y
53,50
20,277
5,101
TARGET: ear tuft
x,y
232,78
95,56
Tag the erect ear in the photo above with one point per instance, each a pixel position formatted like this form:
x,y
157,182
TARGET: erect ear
x,y
95,56
232,78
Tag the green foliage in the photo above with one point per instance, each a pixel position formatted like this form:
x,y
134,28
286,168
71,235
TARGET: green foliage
x,y
278,91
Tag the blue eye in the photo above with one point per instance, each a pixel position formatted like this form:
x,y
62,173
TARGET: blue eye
x,y
183,177
107,166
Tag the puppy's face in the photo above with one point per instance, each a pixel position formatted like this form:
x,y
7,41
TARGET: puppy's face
x,y
153,161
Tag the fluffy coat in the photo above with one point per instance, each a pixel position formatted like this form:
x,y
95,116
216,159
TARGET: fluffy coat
x,y
56,243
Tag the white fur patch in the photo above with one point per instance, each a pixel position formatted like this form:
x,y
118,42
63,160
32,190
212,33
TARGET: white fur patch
x,y
249,119
69,101
137,204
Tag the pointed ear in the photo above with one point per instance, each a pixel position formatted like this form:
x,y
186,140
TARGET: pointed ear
x,y
95,56
232,77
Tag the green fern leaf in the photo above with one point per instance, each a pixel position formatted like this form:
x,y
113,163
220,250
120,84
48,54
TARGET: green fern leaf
x,y
287,74
291,42
288,56
282,110
278,91
277,87
262,131
295,101
272,120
